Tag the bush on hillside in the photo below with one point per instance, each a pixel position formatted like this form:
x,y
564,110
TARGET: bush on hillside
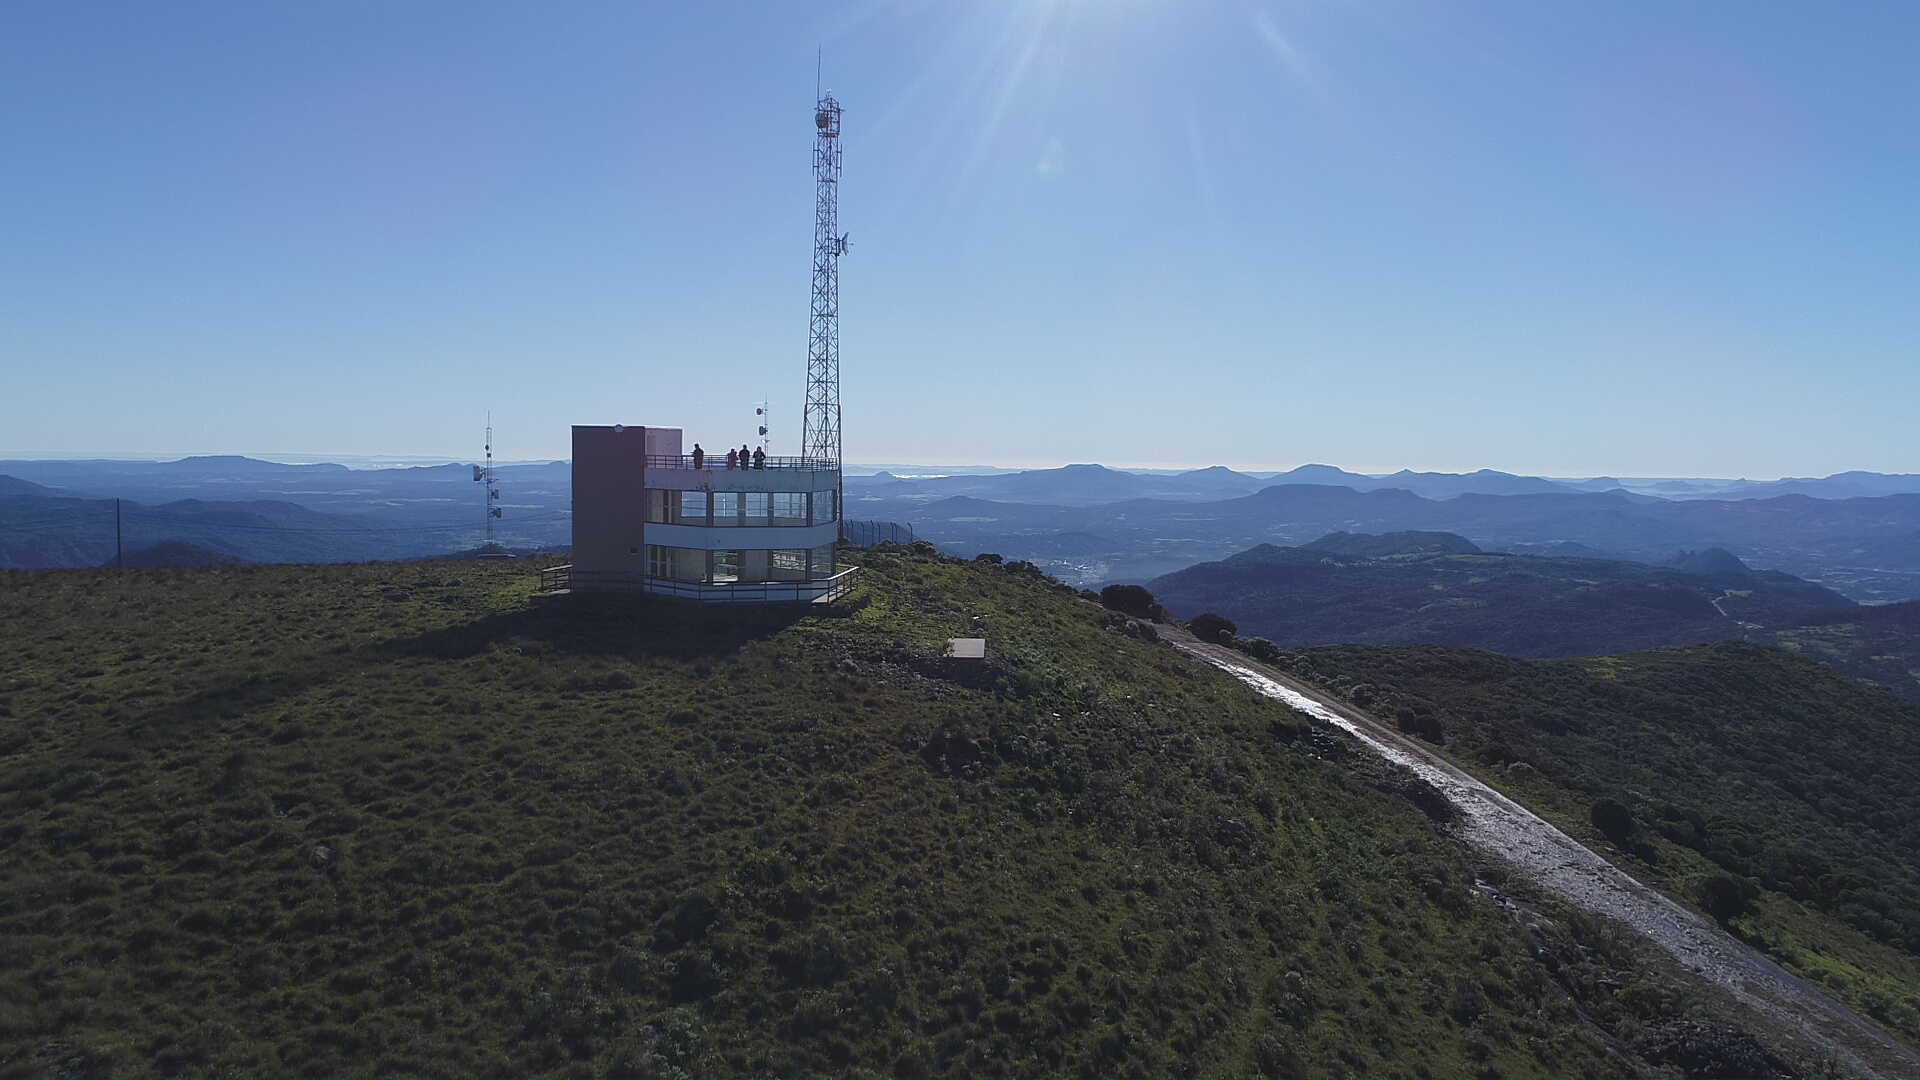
x,y
1132,600
1419,722
1613,820
1210,627
1724,896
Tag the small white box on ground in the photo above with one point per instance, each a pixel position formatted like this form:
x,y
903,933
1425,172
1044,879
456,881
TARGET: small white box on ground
x,y
967,648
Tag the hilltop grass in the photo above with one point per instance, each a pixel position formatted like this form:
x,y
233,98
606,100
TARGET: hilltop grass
x,y
1800,786
405,820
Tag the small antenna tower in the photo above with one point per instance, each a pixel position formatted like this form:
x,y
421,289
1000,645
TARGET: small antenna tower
x,y
762,414
483,475
820,426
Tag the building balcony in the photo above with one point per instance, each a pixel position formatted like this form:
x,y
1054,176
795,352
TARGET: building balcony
x,y
710,463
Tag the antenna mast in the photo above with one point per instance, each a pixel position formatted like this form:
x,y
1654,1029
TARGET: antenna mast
x,y
820,427
484,475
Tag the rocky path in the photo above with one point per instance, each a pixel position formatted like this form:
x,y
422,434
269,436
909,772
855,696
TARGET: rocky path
x,y
1498,825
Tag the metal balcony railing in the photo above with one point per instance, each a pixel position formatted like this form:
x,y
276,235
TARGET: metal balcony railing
x,y
558,579
685,461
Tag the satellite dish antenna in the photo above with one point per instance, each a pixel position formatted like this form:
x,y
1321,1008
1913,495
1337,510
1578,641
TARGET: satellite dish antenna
x,y
618,428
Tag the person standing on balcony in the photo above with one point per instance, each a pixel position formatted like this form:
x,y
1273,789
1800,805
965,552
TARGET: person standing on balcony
x,y
760,459
732,459
745,455
699,457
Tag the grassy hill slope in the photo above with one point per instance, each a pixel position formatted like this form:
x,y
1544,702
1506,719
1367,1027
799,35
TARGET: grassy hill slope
x,y
1880,642
402,819
1798,788
1341,590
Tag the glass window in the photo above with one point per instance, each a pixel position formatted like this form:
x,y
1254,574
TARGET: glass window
x,y
693,508
788,564
676,564
726,508
823,508
822,560
661,506
789,508
756,508
726,567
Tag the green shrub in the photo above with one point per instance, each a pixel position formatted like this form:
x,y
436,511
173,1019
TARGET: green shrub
x,y
1612,820
1132,600
1723,896
1210,627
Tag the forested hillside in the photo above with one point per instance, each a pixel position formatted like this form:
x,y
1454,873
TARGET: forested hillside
x,y
1438,589
1769,791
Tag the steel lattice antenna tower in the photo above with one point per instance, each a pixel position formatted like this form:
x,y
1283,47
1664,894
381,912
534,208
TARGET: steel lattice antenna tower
x,y
820,427
485,476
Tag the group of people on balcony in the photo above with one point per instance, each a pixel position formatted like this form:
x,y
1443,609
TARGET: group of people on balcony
x,y
736,459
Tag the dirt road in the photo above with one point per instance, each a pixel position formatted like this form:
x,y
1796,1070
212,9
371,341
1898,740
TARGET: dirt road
x,y
1502,827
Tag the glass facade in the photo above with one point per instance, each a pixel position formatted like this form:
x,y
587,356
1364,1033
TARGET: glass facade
x,y
698,567
759,509
741,509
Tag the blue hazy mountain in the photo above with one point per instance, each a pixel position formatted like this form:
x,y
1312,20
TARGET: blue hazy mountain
x,y
1864,548
1087,523
1431,485
13,485
44,531
1428,588
1846,485
417,510
1070,485
1367,545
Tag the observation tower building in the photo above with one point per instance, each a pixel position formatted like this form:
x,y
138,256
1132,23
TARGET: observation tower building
x,y
651,514
649,517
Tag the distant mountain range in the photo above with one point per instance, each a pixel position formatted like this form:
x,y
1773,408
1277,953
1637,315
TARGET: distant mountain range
x,y
1080,485
439,491
61,513
1086,523
57,531
1427,588
1862,548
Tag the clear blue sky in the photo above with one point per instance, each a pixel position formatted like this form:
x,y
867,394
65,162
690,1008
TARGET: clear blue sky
x,y
1571,238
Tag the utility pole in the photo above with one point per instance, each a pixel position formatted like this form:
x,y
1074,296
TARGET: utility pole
x,y
119,548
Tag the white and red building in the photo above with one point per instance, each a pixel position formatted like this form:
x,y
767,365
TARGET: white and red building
x,y
650,516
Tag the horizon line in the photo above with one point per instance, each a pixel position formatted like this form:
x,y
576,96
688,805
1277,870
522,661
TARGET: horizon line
x,y
374,462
